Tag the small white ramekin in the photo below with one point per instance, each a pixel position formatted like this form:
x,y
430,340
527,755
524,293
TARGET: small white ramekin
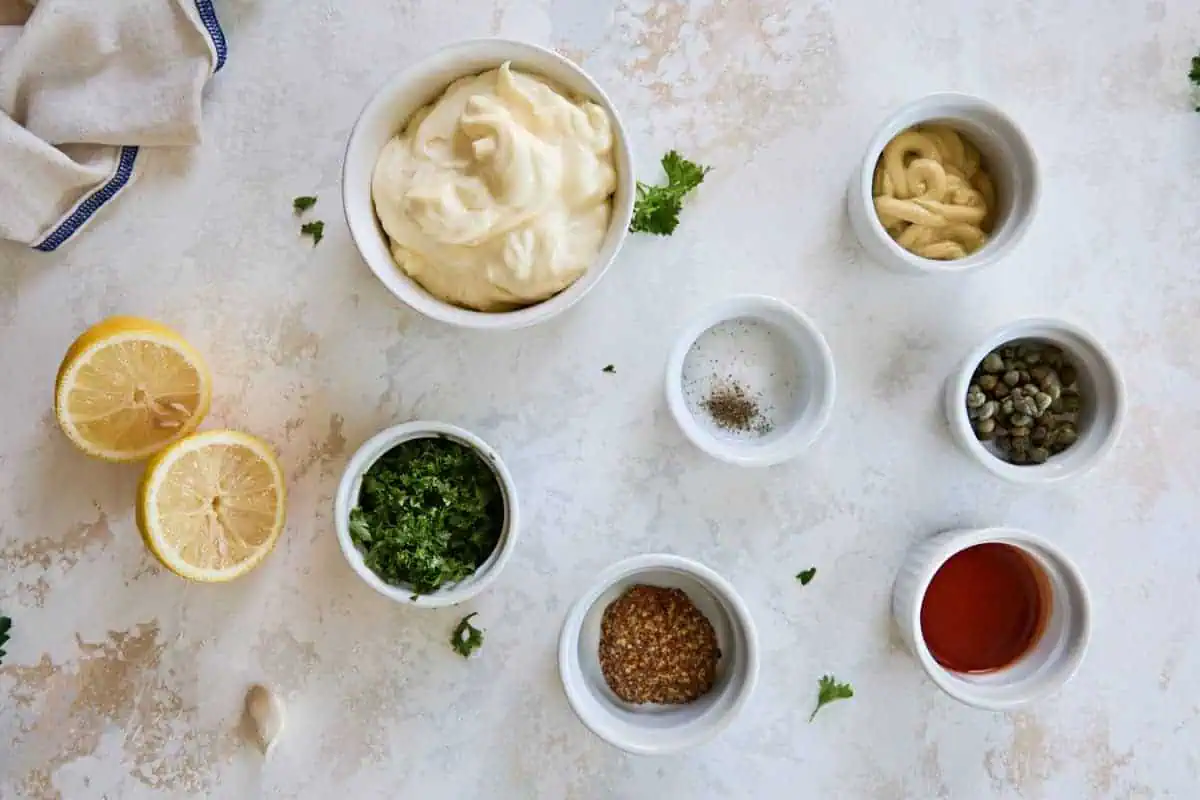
x,y
347,498
421,83
653,729
1047,667
812,403
1007,155
1099,382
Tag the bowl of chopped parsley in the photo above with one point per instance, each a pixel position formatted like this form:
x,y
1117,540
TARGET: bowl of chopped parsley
x,y
426,514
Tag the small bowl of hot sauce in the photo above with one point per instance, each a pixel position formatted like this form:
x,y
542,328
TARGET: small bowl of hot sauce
x,y
997,617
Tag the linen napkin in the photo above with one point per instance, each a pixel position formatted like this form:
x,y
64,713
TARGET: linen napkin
x,y
84,85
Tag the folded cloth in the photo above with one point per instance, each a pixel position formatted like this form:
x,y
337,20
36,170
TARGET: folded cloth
x,y
83,85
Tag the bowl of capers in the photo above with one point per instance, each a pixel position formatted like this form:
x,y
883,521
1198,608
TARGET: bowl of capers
x,y
1038,400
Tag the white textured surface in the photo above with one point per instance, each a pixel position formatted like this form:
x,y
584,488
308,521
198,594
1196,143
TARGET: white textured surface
x,y
122,681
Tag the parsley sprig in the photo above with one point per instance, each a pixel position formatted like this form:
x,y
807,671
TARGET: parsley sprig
x,y
829,690
656,209
430,511
466,638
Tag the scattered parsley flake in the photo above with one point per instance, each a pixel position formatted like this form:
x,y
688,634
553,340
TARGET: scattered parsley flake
x,y
656,209
610,369
829,690
5,627
1194,75
314,229
805,577
302,204
466,638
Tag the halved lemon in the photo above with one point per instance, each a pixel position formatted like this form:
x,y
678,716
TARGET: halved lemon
x,y
128,387
211,506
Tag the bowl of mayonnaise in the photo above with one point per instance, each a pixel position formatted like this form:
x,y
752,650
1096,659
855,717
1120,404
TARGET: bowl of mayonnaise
x,y
489,184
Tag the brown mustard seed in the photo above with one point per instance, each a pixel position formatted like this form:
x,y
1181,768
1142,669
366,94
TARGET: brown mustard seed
x,y
732,408
656,647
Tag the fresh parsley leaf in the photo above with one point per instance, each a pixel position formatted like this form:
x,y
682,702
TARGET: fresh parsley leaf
x,y
656,209
805,577
5,627
466,638
829,690
430,511
314,229
302,204
610,369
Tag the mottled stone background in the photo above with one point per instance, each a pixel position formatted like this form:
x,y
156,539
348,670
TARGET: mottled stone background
x,y
123,681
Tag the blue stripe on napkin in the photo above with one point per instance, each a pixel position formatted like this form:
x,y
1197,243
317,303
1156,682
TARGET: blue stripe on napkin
x,y
208,16
91,204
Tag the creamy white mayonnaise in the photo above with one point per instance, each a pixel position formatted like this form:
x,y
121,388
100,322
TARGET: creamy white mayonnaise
x,y
497,194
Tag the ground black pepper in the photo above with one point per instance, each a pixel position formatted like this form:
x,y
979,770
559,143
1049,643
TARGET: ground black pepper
x,y
732,408
657,647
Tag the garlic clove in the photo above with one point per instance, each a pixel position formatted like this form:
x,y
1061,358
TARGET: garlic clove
x,y
265,711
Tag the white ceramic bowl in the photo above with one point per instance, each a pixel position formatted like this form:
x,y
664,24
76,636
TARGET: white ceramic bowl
x,y
1052,661
654,729
421,83
347,499
1008,157
769,347
1099,382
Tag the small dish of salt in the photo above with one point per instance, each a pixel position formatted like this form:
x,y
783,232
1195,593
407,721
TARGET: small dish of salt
x,y
751,381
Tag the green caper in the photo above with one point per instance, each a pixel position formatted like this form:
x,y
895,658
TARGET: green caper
x,y
1024,400
985,428
1067,435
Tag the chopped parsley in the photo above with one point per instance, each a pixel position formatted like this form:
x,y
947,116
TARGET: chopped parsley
x,y
829,690
466,638
656,209
610,369
302,204
5,627
314,229
805,577
430,511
